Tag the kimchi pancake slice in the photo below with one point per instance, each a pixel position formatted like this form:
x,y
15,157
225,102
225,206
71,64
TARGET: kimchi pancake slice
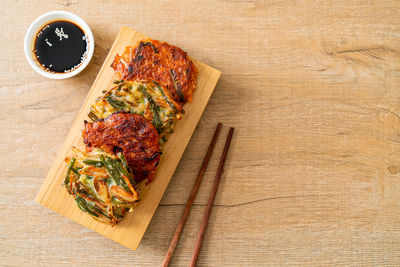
x,y
152,60
130,134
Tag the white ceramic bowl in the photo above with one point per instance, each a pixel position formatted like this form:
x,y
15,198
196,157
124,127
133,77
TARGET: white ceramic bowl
x,y
43,20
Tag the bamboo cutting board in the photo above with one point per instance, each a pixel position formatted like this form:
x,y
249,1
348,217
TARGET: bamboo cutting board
x,y
130,231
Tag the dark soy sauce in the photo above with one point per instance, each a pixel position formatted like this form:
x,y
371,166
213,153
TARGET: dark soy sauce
x,y
60,46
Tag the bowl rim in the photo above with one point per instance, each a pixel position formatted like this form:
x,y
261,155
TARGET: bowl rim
x,y
40,22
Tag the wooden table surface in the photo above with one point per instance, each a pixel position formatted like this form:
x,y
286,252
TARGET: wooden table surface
x,y
313,176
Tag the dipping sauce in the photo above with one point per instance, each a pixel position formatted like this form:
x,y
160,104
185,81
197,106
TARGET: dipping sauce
x,y
60,46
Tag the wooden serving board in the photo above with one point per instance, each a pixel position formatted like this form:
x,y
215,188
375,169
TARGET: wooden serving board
x,y
130,231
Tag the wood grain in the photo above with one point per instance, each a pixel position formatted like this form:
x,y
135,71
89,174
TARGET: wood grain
x,y
312,177
131,230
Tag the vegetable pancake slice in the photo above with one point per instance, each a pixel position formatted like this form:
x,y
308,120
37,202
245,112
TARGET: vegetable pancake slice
x,y
102,184
147,99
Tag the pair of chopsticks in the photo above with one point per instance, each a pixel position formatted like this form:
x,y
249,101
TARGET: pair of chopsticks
x,y
206,216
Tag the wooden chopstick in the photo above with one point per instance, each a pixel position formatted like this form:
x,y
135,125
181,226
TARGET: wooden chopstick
x,y
190,201
210,202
